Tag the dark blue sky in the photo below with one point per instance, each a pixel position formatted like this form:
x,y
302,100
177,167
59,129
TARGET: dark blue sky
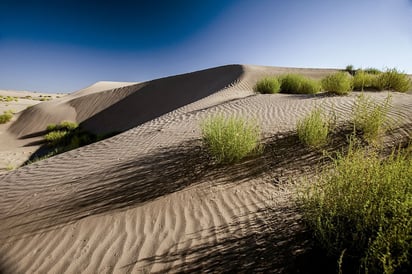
x,y
62,46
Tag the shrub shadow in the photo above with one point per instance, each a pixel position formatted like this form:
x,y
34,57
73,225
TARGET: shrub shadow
x,y
280,246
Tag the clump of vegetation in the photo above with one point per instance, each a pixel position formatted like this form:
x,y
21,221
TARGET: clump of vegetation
x,y
8,98
364,80
268,85
296,83
360,211
370,117
67,136
65,125
394,80
230,139
6,116
313,130
56,137
337,83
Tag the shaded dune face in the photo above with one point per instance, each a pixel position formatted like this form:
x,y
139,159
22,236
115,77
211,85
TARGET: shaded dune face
x,y
102,110
158,97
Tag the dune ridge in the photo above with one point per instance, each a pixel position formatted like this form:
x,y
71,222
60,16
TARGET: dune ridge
x,y
150,200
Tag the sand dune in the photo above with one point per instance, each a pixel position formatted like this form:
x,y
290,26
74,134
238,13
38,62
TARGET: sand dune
x,y
150,199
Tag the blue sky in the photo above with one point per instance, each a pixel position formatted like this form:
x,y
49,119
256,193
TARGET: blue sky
x,y
62,46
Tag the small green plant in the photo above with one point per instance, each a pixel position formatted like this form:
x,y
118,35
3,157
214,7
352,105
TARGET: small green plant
x,y
359,211
370,117
296,83
230,139
10,167
313,130
267,85
394,80
337,83
6,116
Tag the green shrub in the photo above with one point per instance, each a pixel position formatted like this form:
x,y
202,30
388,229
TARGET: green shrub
x,y
57,137
267,85
313,130
361,209
65,125
394,80
230,139
364,81
296,83
6,116
337,83
370,117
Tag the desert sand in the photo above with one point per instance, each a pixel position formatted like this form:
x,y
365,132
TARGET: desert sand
x,y
150,199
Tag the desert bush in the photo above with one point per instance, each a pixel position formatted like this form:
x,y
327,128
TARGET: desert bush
x,y
313,130
65,125
360,209
6,116
230,139
394,80
337,83
370,117
364,80
296,83
56,137
267,85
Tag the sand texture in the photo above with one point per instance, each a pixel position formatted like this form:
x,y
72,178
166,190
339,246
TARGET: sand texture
x,y
150,200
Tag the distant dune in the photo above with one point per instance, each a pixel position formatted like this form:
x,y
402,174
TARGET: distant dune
x,y
149,199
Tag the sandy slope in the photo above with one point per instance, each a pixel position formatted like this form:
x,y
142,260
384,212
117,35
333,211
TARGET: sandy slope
x,y
150,199
13,151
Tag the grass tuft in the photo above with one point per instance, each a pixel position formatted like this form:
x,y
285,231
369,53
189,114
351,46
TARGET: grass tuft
x,y
337,83
313,130
298,84
6,116
370,117
360,210
230,139
268,85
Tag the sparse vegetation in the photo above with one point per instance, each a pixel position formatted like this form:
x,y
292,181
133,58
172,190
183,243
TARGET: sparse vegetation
x,y
394,80
370,117
313,130
66,136
10,167
337,83
230,139
8,98
296,83
268,85
6,116
360,211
